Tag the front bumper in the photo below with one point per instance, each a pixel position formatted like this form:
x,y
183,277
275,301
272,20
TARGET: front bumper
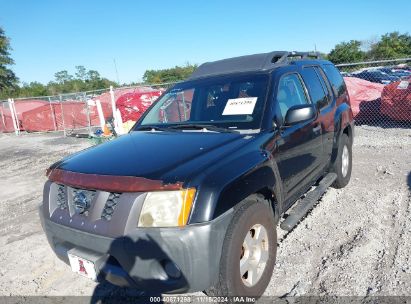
x,y
167,260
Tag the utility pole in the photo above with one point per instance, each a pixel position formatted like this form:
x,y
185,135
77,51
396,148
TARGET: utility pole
x,y
115,66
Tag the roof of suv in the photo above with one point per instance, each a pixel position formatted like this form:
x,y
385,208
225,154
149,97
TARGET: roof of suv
x,y
252,63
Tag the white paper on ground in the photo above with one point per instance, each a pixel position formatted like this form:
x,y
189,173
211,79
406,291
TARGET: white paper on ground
x,y
403,85
240,106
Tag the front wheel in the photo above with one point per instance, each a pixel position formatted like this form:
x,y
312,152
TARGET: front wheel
x,y
343,164
249,250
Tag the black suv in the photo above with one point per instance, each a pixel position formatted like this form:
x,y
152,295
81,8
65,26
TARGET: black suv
x,y
190,199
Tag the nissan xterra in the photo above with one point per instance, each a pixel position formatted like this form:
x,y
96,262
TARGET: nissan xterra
x,y
190,199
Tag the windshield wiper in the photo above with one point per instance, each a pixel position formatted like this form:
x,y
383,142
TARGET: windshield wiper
x,y
202,127
150,128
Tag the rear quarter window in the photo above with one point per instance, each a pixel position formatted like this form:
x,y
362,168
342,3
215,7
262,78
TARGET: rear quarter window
x,y
337,82
315,88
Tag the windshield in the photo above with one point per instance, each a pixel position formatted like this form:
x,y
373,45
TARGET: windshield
x,y
230,103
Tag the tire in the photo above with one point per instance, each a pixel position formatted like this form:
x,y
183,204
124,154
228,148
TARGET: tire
x,y
252,213
340,167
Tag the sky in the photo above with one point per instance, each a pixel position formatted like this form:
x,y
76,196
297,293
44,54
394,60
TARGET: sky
x,y
48,36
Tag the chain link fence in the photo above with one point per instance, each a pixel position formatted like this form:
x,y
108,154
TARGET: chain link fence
x,y
74,113
380,93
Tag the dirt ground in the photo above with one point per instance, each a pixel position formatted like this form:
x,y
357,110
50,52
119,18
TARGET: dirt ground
x,y
356,241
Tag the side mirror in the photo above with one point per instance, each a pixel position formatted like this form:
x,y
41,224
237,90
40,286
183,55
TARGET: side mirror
x,y
299,113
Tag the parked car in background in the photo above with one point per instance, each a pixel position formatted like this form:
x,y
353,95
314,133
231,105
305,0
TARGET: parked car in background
x,y
376,76
403,74
396,100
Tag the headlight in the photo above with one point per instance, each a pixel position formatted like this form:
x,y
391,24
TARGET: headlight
x,y
166,208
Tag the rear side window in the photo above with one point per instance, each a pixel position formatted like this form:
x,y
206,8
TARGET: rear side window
x,y
324,82
315,87
335,78
290,93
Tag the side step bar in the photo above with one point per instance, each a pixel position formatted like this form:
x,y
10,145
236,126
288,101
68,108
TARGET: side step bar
x,y
307,203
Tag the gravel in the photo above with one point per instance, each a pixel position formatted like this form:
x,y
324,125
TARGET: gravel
x,y
355,242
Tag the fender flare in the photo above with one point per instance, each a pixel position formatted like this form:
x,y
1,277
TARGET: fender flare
x,y
342,119
253,173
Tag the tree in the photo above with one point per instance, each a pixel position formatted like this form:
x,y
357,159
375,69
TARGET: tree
x,y
84,80
33,89
8,80
346,52
63,77
81,72
391,45
169,75
92,75
368,44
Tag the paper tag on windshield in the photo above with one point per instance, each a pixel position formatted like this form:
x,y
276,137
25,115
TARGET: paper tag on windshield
x,y
240,106
403,85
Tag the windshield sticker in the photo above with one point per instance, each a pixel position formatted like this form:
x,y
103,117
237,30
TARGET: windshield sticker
x,y
240,106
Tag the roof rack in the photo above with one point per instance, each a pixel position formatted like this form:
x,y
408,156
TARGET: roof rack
x,y
254,62
281,57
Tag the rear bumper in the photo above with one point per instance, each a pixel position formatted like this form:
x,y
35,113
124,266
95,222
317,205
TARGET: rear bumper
x,y
168,260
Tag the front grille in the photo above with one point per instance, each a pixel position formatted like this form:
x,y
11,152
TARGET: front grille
x,y
61,197
110,205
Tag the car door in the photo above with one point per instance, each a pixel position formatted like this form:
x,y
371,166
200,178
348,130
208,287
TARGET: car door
x,y
340,96
321,95
299,146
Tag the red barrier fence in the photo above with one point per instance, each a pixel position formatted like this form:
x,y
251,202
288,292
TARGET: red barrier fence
x,y
77,111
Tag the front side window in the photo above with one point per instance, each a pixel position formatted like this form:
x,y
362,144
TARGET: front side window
x,y
290,93
226,102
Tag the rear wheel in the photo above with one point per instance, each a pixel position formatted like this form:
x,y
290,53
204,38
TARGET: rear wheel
x,y
249,250
343,164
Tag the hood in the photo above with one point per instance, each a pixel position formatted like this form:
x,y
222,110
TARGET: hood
x,y
167,156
